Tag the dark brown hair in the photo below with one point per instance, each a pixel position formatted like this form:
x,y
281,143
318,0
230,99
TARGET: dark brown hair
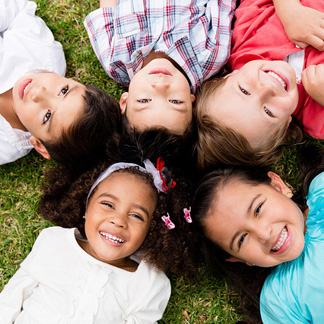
x,y
83,143
246,280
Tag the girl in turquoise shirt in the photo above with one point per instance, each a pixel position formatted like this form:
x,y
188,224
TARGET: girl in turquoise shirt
x,y
268,244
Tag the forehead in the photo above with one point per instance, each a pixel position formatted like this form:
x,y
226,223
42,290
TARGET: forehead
x,y
122,181
232,109
66,112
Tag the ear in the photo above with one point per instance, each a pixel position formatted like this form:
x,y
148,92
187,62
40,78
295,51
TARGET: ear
x,y
279,184
39,147
193,98
229,74
234,259
289,121
123,102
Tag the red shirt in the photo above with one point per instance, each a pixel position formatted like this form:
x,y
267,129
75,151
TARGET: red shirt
x,y
259,35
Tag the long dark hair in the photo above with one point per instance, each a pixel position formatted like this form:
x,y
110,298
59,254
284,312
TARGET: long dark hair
x,y
246,280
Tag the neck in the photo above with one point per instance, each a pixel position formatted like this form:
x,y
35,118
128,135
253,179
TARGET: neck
x,y
8,112
305,218
154,55
124,263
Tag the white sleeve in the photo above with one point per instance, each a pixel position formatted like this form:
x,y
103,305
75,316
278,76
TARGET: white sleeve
x,y
153,307
10,153
8,11
12,297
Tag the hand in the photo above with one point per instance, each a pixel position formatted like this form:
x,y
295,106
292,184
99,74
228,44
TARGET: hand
x,y
313,81
108,3
303,25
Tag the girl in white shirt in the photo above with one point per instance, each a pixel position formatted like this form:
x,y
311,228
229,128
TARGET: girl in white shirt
x,y
91,274
39,107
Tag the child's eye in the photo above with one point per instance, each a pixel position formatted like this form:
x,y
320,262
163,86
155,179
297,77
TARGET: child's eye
x,y
47,117
241,240
258,209
64,90
268,112
244,91
144,100
108,204
137,217
177,102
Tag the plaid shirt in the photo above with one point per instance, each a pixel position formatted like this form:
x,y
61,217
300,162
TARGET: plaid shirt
x,y
196,34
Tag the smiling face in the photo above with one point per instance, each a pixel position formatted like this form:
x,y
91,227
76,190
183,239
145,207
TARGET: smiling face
x,y
256,101
118,217
47,103
158,95
258,224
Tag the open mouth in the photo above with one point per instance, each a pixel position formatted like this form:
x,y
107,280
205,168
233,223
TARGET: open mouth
x,y
112,238
279,78
280,240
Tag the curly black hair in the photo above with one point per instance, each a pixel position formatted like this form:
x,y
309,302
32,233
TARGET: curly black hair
x,y
64,202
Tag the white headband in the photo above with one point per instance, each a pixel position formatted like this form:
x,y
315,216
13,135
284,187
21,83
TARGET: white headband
x,y
149,168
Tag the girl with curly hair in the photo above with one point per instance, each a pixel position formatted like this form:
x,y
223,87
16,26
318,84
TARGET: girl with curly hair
x,y
267,243
104,261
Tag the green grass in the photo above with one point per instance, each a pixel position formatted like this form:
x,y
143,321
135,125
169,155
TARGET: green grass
x,y
205,301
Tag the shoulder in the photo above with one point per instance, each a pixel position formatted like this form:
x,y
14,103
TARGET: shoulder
x,y
154,277
315,201
274,295
50,238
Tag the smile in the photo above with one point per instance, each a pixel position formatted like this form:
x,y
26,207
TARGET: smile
x,y
280,240
160,71
112,238
279,78
24,87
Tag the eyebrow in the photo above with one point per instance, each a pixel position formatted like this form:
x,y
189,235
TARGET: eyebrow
x,y
53,113
248,212
135,205
182,107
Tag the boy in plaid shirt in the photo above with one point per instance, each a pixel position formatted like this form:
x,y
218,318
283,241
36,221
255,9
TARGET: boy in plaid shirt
x,y
162,50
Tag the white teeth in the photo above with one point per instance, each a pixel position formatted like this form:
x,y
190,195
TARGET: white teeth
x,y
26,87
112,238
283,83
282,239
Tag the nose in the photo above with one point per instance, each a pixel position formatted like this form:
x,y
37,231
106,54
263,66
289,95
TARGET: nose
x,y
266,90
160,85
266,87
38,93
263,232
118,220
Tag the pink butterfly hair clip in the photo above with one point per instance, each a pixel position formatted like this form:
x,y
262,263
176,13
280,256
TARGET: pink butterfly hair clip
x,y
187,215
167,221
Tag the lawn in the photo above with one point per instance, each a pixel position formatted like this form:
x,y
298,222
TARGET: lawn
x,y
205,301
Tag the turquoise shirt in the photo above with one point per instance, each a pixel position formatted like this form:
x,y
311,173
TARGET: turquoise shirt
x,y
294,291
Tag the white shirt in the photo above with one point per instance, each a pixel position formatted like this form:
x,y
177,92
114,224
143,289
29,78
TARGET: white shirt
x,y
26,44
59,282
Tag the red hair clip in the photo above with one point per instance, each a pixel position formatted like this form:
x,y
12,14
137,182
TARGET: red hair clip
x,y
160,166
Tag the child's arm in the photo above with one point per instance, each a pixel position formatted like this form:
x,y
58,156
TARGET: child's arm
x,y
8,11
303,25
313,81
12,297
108,3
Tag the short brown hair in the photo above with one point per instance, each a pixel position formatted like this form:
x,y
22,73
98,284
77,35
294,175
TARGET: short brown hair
x,y
85,141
